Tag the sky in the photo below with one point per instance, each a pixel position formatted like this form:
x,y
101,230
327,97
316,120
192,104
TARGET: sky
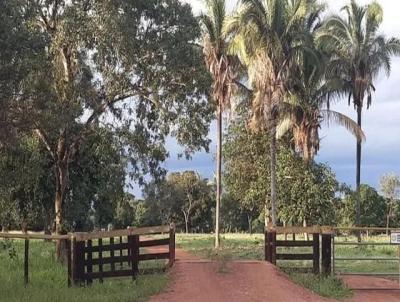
x,y
381,123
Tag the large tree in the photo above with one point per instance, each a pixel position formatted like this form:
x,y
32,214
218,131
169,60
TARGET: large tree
x,y
359,53
131,66
268,38
220,66
390,187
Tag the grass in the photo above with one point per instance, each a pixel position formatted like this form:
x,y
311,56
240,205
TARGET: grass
x,y
48,279
329,287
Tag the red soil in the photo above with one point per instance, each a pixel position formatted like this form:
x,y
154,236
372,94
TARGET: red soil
x,y
196,280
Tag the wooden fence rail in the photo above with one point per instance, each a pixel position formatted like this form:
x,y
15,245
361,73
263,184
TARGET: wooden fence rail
x,y
271,245
115,258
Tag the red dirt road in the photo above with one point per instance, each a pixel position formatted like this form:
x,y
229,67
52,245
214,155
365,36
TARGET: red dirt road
x,y
196,280
373,283
255,281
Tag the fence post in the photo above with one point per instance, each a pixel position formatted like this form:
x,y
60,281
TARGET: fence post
x,y
316,253
112,253
69,263
78,264
273,247
171,245
266,247
26,263
133,251
100,244
270,246
326,253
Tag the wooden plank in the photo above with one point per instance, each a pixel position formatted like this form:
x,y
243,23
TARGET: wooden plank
x,y
295,256
154,242
107,260
33,236
155,256
100,243
125,232
107,247
89,262
120,250
302,230
315,253
112,254
101,275
26,263
294,243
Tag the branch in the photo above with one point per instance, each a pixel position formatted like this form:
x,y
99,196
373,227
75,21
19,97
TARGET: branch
x,y
42,136
96,113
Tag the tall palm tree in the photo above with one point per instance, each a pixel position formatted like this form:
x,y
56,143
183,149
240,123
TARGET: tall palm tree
x,y
267,37
220,68
359,54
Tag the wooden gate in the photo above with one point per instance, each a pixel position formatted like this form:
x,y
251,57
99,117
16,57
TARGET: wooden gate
x,y
319,251
117,253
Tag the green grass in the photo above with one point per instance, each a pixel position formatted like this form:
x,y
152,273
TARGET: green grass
x,y
329,287
48,280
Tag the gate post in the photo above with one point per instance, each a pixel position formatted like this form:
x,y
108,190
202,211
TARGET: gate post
x,y
316,253
326,253
270,246
171,245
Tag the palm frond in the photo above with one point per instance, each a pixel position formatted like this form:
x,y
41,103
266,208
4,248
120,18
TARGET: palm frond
x,y
329,117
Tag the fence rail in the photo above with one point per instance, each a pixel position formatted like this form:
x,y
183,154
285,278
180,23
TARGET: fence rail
x,y
123,252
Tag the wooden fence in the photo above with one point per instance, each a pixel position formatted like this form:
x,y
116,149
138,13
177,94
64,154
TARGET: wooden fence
x,y
119,256
116,254
319,251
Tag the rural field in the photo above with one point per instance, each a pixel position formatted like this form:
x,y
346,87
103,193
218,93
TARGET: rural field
x,y
48,278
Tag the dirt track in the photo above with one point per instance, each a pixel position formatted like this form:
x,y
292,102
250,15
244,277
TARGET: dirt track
x,y
245,281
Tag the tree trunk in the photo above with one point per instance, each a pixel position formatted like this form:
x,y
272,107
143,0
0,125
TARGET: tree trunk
x,y
219,166
249,220
273,172
61,176
388,217
358,175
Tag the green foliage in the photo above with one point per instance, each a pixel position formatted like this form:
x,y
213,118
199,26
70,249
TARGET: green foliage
x,y
183,198
306,191
373,208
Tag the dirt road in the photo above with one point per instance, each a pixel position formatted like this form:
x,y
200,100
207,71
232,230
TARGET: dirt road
x,y
196,280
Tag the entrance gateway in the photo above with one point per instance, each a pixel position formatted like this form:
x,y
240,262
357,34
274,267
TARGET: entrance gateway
x,y
373,263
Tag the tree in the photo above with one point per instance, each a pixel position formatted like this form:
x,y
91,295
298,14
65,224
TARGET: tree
x,y
306,190
219,65
307,106
390,187
267,37
373,207
183,198
359,53
130,66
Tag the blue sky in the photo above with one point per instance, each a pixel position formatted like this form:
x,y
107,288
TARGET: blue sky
x,y
381,123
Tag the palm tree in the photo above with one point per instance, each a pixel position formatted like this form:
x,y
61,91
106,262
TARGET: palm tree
x,y
359,53
267,37
307,106
219,65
